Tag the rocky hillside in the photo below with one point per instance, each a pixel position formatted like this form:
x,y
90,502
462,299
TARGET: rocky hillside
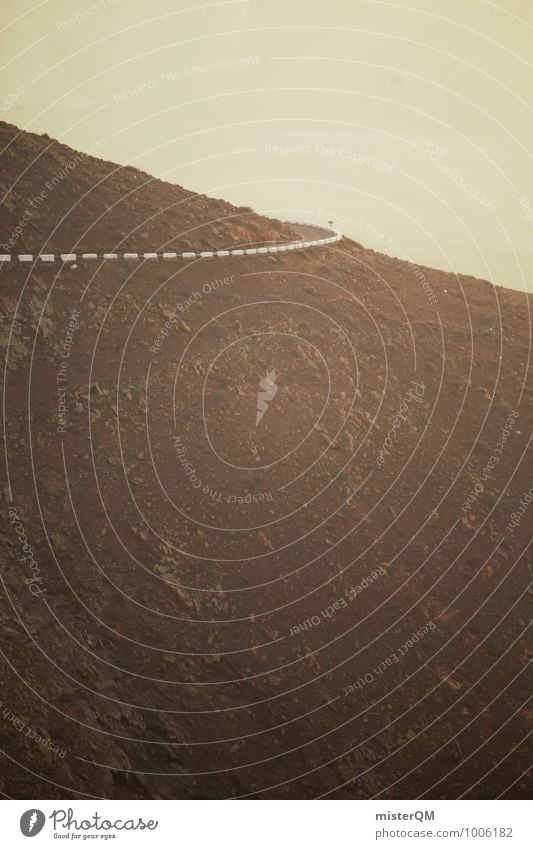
x,y
332,600
60,200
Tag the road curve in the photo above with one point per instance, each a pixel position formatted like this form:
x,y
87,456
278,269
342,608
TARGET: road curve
x,y
312,236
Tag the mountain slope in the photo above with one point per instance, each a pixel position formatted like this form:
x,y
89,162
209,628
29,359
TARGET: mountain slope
x,y
58,199
331,601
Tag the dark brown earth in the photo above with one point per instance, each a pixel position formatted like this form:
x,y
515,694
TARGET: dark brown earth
x,y
218,609
76,202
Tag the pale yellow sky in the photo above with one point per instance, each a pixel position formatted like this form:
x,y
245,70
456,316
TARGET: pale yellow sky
x,y
408,124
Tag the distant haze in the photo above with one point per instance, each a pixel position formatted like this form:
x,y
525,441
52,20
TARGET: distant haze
x,y
408,125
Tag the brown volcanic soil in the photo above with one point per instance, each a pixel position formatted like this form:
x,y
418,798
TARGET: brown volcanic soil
x,y
75,202
163,652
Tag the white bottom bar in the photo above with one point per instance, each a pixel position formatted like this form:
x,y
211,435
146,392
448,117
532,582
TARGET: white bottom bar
x,y
263,824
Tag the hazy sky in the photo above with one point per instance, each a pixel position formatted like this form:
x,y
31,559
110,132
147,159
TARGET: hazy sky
x,y
408,124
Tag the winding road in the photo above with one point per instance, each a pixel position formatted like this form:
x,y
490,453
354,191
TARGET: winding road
x,y
312,236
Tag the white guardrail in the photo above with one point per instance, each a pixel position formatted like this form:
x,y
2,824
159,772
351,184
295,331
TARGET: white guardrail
x,y
170,255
